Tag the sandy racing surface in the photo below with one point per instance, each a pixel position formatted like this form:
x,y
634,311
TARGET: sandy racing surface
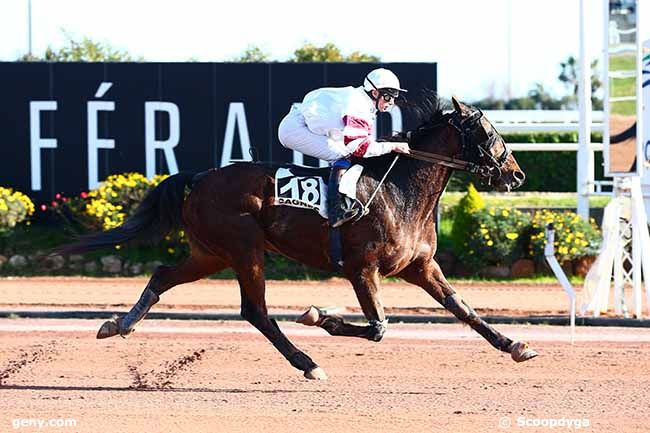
x,y
179,376
211,376
223,295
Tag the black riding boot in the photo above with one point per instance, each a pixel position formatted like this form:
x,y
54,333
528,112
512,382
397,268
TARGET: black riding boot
x,y
336,211
337,215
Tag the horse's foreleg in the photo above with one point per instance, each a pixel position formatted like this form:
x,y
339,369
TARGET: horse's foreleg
x,y
366,287
163,279
429,276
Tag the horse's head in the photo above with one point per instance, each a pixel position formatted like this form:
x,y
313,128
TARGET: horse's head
x,y
482,146
464,139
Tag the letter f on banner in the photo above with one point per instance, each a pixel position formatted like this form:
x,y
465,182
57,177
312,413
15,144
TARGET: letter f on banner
x,y
36,141
168,145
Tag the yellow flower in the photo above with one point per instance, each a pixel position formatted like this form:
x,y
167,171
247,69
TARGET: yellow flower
x,y
490,243
512,236
505,212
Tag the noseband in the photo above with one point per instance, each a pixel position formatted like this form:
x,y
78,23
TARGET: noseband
x,y
475,159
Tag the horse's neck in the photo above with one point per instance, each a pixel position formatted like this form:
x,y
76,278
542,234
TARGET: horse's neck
x,y
426,185
423,183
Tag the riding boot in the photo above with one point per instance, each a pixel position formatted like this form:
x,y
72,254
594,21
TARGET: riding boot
x,y
336,212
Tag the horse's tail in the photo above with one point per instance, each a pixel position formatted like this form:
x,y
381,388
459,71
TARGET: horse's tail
x,y
159,212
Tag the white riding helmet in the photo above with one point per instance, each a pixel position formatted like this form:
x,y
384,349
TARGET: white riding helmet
x,y
381,79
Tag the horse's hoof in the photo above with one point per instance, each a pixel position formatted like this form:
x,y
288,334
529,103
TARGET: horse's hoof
x,y
310,317
108,329
316,374
520,352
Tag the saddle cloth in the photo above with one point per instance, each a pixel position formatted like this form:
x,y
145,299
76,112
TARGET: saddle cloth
x,y
306,187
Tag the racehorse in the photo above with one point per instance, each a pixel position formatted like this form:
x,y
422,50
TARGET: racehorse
x,y
230,220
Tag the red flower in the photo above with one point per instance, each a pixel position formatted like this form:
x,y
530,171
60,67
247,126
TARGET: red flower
x,y
83,194
58,195
54,204
43,207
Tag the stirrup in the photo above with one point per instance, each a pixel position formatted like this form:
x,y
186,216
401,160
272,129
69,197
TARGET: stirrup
x,y
348,215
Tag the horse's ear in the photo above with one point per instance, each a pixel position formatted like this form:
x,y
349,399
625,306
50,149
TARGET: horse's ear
x,y
459,106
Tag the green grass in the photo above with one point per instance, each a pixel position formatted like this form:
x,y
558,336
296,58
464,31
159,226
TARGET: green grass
x,y
622,62
622,86
24,239
538,279
444,234
623,108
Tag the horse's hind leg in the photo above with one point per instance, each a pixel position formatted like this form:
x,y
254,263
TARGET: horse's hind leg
x,y
253,308
164,278
429,276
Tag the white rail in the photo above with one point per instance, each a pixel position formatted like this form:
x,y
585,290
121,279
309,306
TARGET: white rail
x,y
551,147
512,121
527,121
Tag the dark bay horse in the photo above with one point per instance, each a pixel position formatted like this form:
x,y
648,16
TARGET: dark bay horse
x,y
230,220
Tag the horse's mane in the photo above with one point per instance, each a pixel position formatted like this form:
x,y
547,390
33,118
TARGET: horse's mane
x,y
427,108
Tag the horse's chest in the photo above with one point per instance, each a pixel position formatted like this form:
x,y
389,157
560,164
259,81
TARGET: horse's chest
x,y
400,246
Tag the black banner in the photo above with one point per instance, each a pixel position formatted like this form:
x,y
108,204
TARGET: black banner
x,y
64,127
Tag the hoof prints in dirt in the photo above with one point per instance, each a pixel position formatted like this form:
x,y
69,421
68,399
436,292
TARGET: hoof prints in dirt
x,y
163,379
36,353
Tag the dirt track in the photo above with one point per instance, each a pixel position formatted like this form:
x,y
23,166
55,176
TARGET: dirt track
x,y
281,296
212,377
178,376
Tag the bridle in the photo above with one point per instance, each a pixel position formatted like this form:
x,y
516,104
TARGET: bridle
x,y
475,158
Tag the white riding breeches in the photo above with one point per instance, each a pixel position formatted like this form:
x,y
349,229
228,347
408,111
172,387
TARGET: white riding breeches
x,y
294,134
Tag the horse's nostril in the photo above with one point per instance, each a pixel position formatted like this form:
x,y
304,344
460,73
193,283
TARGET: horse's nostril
x,y
519,175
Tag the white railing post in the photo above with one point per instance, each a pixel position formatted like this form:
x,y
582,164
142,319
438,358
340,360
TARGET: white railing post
x,y
585,156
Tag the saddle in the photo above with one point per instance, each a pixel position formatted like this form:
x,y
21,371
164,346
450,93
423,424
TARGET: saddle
x,y
308,188
318,189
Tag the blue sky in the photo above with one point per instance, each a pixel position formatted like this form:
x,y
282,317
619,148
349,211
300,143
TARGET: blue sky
x,y
470,39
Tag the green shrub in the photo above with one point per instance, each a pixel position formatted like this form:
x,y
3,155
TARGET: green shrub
x,y
112,203
15,208
116,199
497,236
468,205
574,237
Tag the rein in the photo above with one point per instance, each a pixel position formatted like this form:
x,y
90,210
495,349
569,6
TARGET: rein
x,y
489,170
458,164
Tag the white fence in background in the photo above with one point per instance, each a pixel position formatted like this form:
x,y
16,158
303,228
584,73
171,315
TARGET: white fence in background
x,y
522,121
527,121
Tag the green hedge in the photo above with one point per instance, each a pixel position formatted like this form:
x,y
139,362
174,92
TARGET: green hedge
x,y
538,165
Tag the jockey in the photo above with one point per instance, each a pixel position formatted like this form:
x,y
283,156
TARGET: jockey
x,y
336,123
